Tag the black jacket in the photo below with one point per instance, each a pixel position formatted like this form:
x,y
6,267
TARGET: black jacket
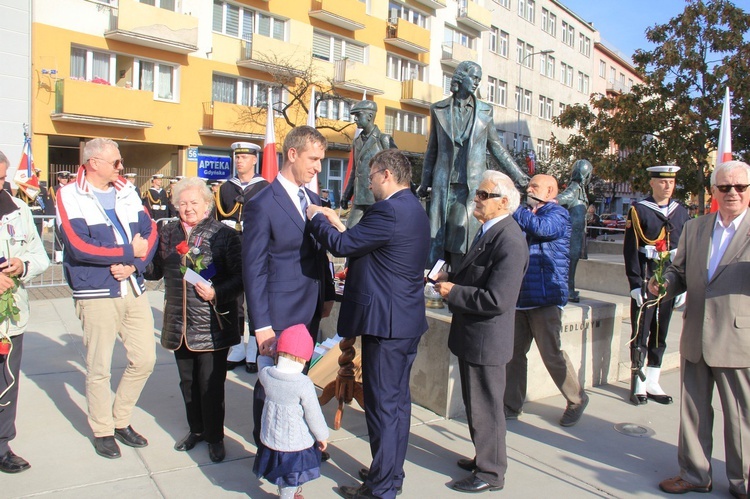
x,y
186,315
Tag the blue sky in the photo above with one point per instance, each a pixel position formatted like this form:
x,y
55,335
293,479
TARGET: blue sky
x,y
623,23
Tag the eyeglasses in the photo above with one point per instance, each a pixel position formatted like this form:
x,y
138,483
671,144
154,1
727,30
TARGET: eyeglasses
x,y
116,163
375,173
484,195
737,187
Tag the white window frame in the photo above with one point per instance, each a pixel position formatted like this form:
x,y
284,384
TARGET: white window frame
x,y
157,78
493,36
332,40
528,96
503,44
547,65
404,68
568,34
407,13
334,109
89,65
602,68
403,121
584,44
256,15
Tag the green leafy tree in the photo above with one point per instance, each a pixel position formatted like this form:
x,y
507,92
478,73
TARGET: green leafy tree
x,y
673,117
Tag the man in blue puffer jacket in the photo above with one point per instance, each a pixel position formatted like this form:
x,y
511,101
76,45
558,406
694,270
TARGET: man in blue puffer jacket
x,y
544,293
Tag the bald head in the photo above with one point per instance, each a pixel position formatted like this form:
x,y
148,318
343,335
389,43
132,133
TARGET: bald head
x,y
541,188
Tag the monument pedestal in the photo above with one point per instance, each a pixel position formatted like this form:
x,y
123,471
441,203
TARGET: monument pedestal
x,y
590,336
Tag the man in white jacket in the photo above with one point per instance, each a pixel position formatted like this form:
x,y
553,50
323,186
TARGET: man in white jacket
x,y
22,257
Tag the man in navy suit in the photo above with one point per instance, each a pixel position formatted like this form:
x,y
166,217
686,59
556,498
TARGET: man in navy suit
x,y
285,271
482,292
384,303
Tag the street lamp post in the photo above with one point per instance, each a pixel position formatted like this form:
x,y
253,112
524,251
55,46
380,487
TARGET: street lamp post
x,y
520,94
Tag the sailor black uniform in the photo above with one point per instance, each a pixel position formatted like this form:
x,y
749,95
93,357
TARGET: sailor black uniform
x,y
157,202
231,198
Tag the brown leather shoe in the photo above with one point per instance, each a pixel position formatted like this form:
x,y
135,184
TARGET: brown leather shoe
x,y
676,485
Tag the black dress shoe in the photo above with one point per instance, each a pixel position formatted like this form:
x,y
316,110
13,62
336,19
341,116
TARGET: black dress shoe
x,y
130,437
638,399
660,399
324,456
354,492
106,447
364,473
10,463
251,367
473,484
216,451
467,464
188,442
232,364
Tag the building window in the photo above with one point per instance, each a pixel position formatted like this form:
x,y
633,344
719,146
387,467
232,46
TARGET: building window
x,y
561,108
517,101
602,69
494,31
447,83
396,120
332,48
334,178
584,44
162,4
243,91
503,3
399,68
568,34
549,22
547,65
583,83
334,109
452,35
545,107
401,11
526,9
497,91
523,52
566,74
542,148
504,43
92,65
527,101
241,22
155,77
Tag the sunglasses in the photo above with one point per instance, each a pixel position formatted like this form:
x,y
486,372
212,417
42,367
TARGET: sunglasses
x,y
116,163
737,187
484,195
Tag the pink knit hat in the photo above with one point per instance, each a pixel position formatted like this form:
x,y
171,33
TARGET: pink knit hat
x,y
296,340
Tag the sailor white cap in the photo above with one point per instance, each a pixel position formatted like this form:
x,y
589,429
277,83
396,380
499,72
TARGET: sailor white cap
x,y
130,175
245,148
157,175
666,171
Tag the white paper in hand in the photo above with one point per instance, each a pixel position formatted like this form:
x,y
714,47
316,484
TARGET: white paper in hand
x,y
193,277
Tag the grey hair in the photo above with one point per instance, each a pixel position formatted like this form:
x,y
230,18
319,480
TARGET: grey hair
x,y
192,183
727,167
4,159
505,187
97,146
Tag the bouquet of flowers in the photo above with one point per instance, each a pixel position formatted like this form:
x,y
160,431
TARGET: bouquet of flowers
x,y
662,258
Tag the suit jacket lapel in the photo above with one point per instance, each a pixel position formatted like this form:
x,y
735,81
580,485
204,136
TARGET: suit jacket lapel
x,y
703,244
738,244
484,241
286,204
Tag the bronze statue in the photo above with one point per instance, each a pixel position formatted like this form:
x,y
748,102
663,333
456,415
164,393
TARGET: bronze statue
x,y
462,132
370,142
575,199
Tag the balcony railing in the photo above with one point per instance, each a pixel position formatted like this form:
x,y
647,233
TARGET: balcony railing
x,y
454,53
407,36
222,119
80,101
357,77
270,55
347,14
617,87
141,24
420,94
433,4
474,16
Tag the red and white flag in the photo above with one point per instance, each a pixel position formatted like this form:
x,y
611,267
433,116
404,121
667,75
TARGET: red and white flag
x,y
312,184
724,149
25,176
270,167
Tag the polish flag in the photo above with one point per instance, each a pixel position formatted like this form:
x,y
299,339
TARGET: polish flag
x,y
270,167
724,149
25,176
313,183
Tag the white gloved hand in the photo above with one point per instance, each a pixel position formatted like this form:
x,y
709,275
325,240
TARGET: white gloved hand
x,y
637,296
679,300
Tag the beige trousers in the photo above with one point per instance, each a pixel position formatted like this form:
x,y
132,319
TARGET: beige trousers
x,y
103,320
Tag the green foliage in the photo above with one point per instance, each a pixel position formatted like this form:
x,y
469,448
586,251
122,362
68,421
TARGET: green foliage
x,y
673,117
9,311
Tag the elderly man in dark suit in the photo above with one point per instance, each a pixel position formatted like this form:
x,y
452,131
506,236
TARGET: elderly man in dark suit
x,y
713,265
285,271
462,132
384,303
366,145
482,294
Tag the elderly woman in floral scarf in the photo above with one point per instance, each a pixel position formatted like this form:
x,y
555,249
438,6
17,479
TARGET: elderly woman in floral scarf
x,y
199,259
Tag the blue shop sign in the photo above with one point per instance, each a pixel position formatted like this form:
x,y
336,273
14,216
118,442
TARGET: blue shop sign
x,y
214,167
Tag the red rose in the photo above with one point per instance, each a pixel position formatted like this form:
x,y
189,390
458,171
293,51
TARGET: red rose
x,y
182,248
661,245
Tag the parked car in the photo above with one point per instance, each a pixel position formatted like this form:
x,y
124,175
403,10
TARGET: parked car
x,y
613,221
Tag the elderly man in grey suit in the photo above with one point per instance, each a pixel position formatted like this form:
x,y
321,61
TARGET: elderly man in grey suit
x,y
713,265
366,145
482,292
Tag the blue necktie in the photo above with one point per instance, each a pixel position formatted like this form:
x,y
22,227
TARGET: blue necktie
x,y
477,238
302,202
